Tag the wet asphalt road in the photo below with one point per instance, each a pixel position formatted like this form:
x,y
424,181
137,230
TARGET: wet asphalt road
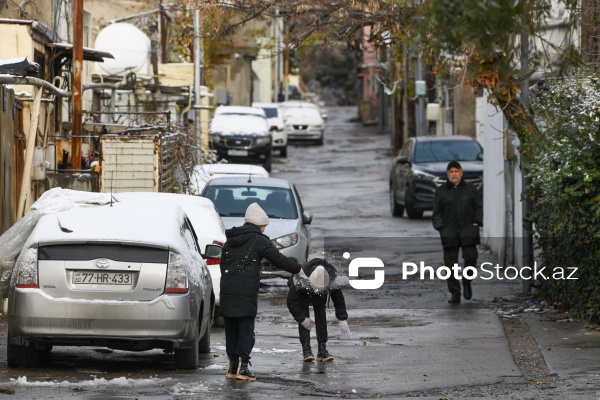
x,y
406,340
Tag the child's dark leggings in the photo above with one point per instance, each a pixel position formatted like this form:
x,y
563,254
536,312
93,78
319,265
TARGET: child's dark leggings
x,y
320,325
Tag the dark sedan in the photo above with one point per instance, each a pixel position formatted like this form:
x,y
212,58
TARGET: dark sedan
x,y
420,167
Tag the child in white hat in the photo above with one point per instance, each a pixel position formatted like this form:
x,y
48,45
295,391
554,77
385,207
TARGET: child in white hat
x,y
314,285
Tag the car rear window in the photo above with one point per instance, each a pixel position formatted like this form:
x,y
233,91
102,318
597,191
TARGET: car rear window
x,y
447,150
116,252
271,112
232,201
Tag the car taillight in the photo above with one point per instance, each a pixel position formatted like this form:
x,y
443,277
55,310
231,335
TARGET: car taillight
x,y
177,279
27,268
214,261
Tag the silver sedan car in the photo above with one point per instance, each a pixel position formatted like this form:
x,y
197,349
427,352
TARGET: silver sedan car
x,y
123,275
289,224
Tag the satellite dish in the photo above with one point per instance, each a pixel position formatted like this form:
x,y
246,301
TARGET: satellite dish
x,y
130,47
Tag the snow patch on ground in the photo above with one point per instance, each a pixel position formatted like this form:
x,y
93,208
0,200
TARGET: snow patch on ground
x,y
96,382
259,350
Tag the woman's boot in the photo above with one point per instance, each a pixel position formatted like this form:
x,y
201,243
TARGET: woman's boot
x,y
234,364
244,373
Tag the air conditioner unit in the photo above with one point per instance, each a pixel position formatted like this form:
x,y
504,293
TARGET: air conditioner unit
x,y
432,112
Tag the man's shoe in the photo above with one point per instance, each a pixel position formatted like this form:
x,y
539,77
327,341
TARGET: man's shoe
x,y
244,373
455,299
467,292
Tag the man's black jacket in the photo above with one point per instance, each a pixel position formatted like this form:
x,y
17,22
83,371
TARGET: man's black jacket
x,y
455,210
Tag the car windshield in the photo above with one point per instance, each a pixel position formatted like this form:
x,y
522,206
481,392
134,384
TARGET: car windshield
x,y
447,150
232,201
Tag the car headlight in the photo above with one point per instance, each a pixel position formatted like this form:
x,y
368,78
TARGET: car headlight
x,y
422,175
215,139
285,241
265,140
318,126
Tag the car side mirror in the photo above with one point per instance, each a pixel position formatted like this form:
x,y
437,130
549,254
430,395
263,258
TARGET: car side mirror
x,y
212,254
273,128
402,160
307,218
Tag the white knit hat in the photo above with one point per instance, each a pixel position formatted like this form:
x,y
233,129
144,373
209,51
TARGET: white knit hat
x,y
319,279
255,215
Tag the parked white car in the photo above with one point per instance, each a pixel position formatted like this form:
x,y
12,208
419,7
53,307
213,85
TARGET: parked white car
x,y
208,226
275,118
127,276
205,172
303,121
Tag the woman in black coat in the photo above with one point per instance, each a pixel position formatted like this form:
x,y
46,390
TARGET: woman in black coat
x,y
243,252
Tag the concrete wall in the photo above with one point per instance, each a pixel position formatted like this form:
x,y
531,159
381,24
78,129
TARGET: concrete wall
x,y
503,216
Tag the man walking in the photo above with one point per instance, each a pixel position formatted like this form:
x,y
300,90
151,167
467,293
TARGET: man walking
x,y
457,215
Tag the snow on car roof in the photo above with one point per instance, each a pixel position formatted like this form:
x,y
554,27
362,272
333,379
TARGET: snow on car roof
x,y
201,212
239,110
203,173
301,111
256,182
145,223
232,169
225,124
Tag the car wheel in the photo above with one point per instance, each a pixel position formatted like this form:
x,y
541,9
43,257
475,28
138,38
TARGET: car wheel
x,y
188,358
320,141
20,356
283,151
408,203
396,209
204,345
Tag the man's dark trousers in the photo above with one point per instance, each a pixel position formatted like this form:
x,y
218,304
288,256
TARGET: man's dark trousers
x,y
469,254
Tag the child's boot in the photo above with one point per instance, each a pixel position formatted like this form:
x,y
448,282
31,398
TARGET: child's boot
x,y
244,373
323,354
307,353
234,364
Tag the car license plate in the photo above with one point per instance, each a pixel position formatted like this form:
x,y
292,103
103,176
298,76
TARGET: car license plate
x,y
103,278
238,153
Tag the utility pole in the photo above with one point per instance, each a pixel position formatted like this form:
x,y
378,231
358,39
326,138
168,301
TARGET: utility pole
x,y
201,138
163,34
286,63
527,260
76,118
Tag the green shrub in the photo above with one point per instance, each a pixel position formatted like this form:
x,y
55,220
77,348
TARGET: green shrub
x,y
565,188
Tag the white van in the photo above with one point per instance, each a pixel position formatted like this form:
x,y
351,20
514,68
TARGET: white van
x,y
275,119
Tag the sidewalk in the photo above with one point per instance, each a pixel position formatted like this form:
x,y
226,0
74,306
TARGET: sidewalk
x,y
570,350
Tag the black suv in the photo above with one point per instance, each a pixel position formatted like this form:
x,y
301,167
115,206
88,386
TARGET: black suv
x,y
420,167
241,135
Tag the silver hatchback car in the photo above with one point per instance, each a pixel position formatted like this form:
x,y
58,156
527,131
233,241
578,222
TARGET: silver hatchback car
x,y
127,276
289,224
